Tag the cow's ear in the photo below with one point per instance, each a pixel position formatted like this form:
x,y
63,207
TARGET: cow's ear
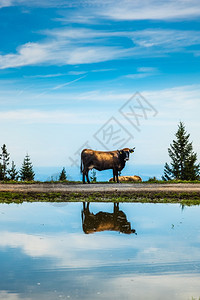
x,y
121,152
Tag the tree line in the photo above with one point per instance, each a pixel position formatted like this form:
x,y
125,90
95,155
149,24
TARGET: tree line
x,y
8,172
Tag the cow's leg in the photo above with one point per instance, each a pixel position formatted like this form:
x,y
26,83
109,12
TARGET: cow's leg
x,y
83,176
87,176
113,175
116,207
117,176
85,173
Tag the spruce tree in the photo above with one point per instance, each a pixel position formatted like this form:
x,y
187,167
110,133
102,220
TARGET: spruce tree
x,y
4,163
13,173
183,159
93,176
26,171
63,175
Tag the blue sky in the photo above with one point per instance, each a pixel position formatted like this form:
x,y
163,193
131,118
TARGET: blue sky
x,y
68,67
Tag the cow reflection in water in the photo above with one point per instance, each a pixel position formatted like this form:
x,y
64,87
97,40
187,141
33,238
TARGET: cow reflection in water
x,y
102,221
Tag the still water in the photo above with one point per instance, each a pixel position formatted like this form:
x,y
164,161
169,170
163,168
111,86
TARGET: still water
x,y
134,251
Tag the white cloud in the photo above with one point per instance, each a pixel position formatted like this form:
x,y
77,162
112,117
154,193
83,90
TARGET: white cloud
x,y
46,75
43,3
66,248
5,295
5,3
142,73
168,39
120,9
84,46
65,47
76,72
170,286
87,55
151,10
48,117
28,54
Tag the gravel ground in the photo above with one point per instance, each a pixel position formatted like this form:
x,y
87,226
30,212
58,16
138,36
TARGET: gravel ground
x,y
92,188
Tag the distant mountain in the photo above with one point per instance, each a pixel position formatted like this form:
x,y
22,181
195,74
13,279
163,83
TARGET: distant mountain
x,y
73,173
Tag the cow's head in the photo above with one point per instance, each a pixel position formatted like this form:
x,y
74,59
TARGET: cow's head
x,y
124,153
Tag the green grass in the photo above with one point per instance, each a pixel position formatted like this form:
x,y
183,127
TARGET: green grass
x,y
142,197
152,180
184,198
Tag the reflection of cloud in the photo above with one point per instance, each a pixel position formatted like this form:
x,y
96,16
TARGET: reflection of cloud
x,y
155,287
71,250
5,295
79,250
5,3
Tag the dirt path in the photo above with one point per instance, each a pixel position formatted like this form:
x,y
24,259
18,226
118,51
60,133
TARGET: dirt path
x,y
92,188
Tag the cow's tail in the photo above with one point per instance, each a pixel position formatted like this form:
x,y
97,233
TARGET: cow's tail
x,y
81,167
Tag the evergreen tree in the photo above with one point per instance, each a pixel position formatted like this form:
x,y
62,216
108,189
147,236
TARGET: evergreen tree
x,y
63,175
26,171
183,159
93,176
13,173
4,163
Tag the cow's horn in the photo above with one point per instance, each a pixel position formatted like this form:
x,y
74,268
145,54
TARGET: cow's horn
x,y
132,150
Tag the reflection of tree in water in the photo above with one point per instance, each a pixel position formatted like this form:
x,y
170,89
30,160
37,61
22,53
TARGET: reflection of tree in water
x,y
116,221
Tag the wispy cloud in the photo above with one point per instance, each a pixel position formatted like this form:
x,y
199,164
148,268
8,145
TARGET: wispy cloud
x,y
167,39
67,83
11,296
143,72
72,46
64,48
76,72
59,86
46,75
151,10
27,54
5,3
31,116
119,9
44,3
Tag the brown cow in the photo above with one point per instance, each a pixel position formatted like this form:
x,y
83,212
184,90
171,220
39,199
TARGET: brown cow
x,y
102,221
134,178
104,160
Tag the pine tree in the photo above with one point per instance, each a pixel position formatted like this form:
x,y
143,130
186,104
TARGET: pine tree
x,y
93,176
13,173
4,163
183,159
63,175
26,171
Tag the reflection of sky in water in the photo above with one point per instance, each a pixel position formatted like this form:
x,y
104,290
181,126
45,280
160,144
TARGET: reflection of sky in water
x,y
44,253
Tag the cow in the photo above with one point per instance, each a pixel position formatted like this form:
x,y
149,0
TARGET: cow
x,y
134,178
104,160
116,221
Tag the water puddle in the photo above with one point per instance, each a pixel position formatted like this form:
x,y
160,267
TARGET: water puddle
x,y
99,251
